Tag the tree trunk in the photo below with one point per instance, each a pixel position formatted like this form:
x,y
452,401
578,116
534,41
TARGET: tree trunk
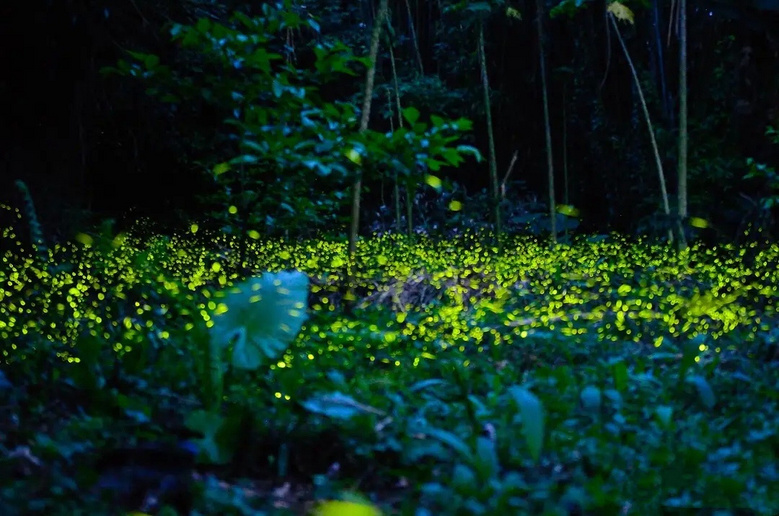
x,y
660,60
566,196
683,137
490,135
658,161
547,124
410,190
396,189
366,114
414,40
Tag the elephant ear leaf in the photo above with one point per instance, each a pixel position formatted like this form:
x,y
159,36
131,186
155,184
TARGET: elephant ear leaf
x,y
260,317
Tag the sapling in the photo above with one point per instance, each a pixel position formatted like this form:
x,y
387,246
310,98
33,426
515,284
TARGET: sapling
x,y
253,322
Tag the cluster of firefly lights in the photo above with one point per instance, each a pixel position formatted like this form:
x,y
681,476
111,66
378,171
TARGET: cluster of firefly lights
x,y
622,292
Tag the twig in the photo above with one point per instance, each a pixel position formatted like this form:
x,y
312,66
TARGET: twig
x,y
506,177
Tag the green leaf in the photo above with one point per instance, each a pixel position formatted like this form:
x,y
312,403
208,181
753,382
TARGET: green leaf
x,y
151,61
532,413
437,121
337,405
4,383
463,478
469,149
704,390
203,25
250,356
621,12
513,13
620,372
208,424
419,449
591,398
221,168
479,7
664,415
452,156
411,114
463,124
140,56
689,348
426,384
278,88
245,159
453,441
261,316
486,465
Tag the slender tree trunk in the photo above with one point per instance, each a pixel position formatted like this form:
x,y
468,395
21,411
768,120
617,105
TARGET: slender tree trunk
x,y
408,197
566,197
243,217
366,114
547,123
414,38
398,216
410,210
660,59
490,134
683,137
395,178
396,189
658,161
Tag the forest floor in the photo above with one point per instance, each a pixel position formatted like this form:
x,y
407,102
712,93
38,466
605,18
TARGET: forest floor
x,y
600,377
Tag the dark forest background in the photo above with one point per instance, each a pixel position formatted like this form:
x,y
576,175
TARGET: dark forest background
x,y
90,145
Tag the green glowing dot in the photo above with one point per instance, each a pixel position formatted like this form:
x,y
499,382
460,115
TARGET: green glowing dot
x,y
433,181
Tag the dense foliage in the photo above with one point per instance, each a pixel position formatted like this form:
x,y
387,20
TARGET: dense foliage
x,y
111,147
343,306
602,376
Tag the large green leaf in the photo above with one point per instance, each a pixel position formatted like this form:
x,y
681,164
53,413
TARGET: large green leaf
x,y
591,398
260,317
453,441
411,114
704,390
532,413
338,406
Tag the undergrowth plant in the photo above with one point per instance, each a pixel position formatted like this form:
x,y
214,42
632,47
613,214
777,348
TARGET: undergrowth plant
x,y
252,323
600,376
768,203
286,153
36,230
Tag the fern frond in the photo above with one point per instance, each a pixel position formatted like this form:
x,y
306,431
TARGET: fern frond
x,y
36,230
